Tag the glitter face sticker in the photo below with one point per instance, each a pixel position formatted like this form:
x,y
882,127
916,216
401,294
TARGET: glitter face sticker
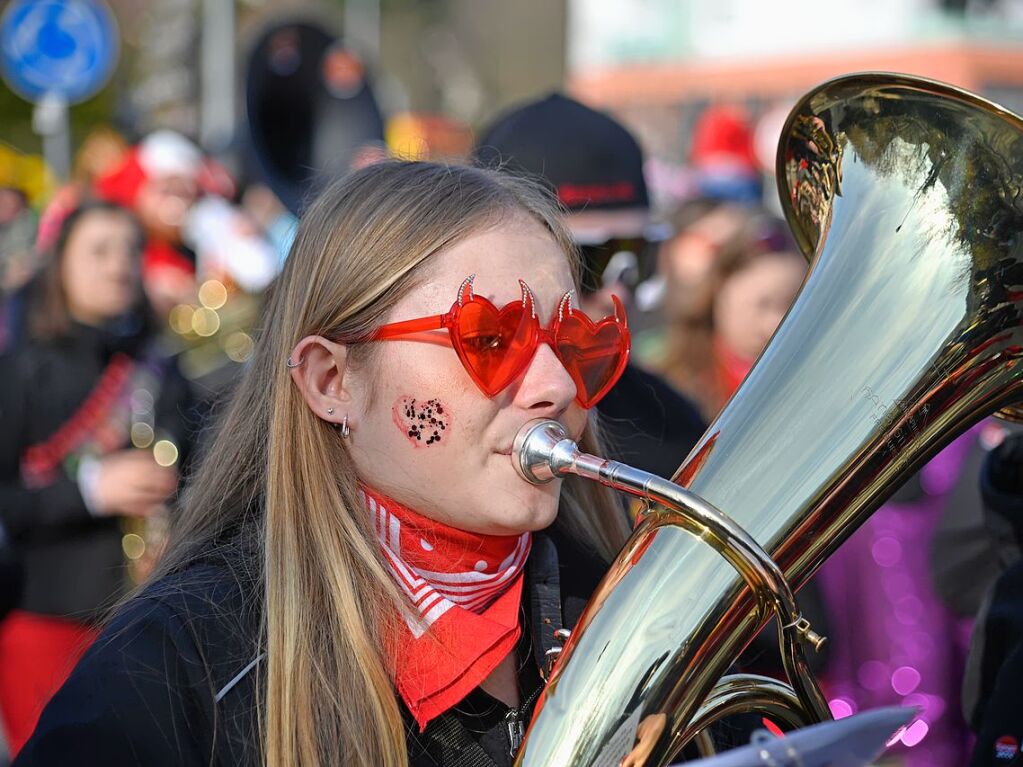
x,y
424,423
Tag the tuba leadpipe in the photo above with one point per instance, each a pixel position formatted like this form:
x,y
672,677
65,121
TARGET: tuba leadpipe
x,y
906,196
544,452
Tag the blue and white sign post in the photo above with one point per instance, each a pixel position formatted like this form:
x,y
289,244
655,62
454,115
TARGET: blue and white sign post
x,y
56,53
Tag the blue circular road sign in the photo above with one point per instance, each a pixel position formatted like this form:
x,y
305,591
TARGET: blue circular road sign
x,y
65,47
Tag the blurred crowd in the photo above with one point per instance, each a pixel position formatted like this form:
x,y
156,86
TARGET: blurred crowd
x,y
129,301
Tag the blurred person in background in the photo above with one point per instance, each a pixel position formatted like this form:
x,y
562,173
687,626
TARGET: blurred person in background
x,y
23,182
595,167
894,642
992,697
696,230
715,333
159,181
699,228
723,158
195,238
102,150
93,427
726,186
968,552
17,257
17,236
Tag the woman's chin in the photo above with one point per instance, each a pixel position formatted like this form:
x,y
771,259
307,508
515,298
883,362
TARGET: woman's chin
x,y
531,516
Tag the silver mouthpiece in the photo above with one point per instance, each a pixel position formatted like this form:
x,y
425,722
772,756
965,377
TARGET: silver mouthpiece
x,y
536,450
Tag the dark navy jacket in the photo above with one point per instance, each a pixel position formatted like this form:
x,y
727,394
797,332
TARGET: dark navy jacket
x,y
172,680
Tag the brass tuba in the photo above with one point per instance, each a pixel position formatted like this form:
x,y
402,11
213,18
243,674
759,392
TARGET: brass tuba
x,y
906,195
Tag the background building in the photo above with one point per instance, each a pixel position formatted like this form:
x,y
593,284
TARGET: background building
x,y
658,64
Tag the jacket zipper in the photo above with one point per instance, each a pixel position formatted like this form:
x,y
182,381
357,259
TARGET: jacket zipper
x,y
515,731
514,724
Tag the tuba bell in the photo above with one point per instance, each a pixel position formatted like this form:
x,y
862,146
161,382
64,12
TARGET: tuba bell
x,y
906,196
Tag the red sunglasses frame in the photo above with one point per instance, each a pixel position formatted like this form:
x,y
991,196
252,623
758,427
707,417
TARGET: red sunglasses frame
x,y
424,329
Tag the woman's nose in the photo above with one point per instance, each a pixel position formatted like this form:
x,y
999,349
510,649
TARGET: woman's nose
x,y
546,388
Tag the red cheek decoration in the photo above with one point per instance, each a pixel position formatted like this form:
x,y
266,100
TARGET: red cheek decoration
x,y
424,424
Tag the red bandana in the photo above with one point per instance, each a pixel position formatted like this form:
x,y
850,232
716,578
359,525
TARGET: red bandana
x,y
466,589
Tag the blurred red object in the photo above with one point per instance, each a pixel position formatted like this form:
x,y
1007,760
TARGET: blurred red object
x,y
160,155
122,183
37,653
723,137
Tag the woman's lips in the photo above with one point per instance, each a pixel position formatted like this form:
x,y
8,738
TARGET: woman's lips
x,y
574,437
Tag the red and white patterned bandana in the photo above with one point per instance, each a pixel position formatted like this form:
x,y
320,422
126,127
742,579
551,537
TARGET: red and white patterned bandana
x,y
465,588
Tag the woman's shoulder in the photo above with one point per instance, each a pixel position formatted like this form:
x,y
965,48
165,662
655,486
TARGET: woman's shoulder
x,y
212,585
208,605
153,685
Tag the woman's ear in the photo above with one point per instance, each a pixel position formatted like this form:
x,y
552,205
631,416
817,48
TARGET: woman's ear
x,y
318,367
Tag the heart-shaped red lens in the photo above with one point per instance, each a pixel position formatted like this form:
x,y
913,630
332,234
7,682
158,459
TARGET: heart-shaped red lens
x,y
593,354
494,345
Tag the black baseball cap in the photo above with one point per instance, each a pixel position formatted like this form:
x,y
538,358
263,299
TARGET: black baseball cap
x,y
589,160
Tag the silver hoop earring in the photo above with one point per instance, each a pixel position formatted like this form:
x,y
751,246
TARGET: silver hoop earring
x,y
330,411
346,430
291,364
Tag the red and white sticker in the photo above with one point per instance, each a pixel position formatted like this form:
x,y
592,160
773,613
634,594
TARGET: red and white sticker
x,y
1006,748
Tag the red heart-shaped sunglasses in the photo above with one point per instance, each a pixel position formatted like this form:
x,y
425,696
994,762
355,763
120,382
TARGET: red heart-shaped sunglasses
x,y
496,346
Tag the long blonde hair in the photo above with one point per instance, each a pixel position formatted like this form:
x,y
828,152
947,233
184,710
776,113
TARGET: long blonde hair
x,y
283,479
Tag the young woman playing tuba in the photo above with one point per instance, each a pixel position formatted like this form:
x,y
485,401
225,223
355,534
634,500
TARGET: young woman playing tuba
x,y
355,576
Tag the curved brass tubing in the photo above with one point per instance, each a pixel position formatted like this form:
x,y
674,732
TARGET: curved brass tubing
x,y
742,693
544,451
